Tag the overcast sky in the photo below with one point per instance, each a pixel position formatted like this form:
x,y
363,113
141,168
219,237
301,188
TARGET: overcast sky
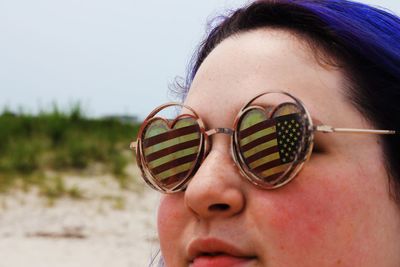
x,y
114,57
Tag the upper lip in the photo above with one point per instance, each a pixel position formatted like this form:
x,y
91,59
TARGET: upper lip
x,y
214,246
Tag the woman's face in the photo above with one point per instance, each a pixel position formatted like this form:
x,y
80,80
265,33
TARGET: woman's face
x,y
336,212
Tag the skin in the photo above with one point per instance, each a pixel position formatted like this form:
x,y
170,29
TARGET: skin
x,y
336,212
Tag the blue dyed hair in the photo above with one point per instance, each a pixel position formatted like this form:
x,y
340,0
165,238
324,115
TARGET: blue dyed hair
x,y
363,40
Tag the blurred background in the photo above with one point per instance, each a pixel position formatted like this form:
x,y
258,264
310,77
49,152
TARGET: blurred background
x,y
76,78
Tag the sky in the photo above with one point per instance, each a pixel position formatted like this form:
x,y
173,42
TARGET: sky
x,y
113,57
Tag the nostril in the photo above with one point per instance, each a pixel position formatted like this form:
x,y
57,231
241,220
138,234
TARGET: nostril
x,y
218,207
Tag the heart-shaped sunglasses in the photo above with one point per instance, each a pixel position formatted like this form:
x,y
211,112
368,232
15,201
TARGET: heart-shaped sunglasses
x,y
269,143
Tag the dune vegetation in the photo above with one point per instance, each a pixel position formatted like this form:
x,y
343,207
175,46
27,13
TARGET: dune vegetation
x,y
36,150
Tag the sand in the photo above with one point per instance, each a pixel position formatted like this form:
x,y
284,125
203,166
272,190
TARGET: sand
x,y
109,227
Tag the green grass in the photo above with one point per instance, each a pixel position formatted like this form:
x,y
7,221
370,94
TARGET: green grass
x,y
57,141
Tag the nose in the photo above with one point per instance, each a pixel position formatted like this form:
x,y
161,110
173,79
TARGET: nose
x,y
216,190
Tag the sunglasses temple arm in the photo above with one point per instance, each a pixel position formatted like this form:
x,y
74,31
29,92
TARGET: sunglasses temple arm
x,y
330,129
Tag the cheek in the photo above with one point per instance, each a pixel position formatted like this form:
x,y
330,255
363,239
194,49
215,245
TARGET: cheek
x,y
169,216
170,222
169,210
323,214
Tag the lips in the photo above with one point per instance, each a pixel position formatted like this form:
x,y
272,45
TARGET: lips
x,y
220,261
217,253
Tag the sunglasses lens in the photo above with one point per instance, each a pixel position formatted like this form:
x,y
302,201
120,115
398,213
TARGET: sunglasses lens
x,y
270,145
171,150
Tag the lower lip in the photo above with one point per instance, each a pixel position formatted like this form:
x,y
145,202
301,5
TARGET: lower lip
x,y
220,261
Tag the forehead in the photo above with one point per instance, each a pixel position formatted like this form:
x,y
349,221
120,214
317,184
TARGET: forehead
x,y
263,60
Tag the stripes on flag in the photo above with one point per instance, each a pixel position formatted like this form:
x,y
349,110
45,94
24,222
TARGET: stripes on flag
x,y
269,146
171,153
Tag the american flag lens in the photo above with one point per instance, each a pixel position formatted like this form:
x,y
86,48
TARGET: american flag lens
x,y
171,149
270,142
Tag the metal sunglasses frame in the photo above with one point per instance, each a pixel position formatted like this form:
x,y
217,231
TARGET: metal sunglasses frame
x,y
304,152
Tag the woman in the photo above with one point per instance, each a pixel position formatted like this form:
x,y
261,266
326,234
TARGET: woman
x,y
338,63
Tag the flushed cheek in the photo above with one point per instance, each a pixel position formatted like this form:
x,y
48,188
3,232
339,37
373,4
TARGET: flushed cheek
x,y
317,215
171,222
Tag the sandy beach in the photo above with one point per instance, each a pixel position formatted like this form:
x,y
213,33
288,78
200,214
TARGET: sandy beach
x,y
108,227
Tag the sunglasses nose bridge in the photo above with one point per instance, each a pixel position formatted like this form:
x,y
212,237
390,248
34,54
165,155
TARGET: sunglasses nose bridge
x,y
227,131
